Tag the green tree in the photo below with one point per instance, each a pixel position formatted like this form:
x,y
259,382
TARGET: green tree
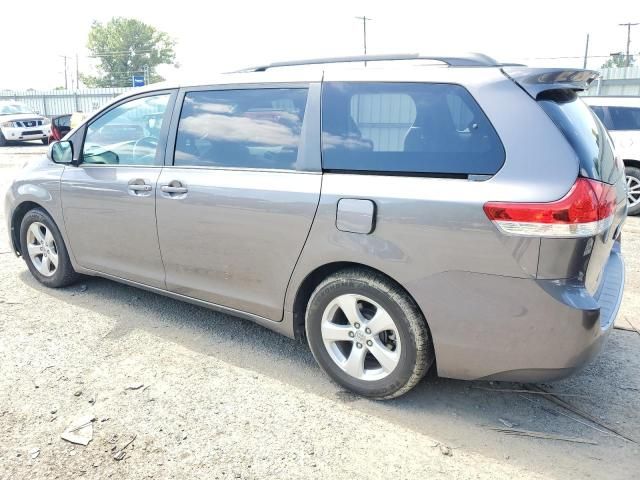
x,y
127,47
618,60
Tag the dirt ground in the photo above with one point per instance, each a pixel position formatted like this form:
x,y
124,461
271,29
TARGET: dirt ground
x,y
206,395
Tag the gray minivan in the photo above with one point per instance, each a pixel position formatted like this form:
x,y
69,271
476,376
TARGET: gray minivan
x,y
401,214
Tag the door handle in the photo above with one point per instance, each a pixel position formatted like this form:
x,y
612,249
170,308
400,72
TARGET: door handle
x,y
172,189
139,188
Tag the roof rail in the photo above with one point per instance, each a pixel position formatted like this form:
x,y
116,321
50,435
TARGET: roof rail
x,y
469,60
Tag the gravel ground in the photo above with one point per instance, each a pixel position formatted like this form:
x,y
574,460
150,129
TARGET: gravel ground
x,y
224,398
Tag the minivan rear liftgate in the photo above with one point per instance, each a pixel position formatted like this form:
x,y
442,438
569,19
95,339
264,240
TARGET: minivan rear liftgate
x,y
579,261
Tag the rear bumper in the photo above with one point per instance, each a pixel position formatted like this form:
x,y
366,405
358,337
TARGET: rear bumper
x,y
524,330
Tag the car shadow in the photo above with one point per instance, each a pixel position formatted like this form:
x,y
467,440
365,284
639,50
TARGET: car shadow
x,y
462,414
27,143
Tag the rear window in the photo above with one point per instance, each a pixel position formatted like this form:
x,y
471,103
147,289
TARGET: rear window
x,y
413,128
584,131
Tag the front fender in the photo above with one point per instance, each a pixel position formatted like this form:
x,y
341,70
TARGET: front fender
x,y
37,184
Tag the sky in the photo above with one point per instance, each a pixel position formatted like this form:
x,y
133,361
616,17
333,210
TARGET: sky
x,y
222,36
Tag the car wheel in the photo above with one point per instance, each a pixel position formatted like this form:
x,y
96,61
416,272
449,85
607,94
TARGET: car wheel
x,y
3,140
45,141
633,189
44,250
368,334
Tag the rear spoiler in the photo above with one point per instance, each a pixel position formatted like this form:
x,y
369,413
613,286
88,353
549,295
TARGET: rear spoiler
x,y
537,80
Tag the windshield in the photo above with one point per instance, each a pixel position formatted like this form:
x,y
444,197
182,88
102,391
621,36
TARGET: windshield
x,y
13,108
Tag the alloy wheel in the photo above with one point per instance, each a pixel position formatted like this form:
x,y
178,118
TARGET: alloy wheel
x,y
360,337
633,191
42,249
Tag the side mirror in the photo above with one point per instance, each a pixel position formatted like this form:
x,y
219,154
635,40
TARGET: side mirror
x,y
61,152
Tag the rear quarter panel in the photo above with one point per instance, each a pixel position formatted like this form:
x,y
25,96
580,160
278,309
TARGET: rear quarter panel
x,y
428,230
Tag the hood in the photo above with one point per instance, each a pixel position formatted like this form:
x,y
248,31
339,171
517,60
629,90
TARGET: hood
x,y
20,116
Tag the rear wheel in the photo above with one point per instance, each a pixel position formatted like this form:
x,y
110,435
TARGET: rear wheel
x,y
44,250
45,141
368,334
633,189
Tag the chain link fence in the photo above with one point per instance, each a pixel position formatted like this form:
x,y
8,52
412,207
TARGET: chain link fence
x,y
58,102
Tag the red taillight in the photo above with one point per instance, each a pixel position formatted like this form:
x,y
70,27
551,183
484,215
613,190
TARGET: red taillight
x,y
585,211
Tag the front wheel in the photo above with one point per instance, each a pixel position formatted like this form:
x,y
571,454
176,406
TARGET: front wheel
x,y
368,334
44,250
45,141
633,189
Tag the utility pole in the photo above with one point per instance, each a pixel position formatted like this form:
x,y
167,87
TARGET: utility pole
x,y
77,73
586,52
628,25
65,70
364,33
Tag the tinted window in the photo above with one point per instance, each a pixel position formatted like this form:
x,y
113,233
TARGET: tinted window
x,y
127,134
241,128
585,133
624,118
601,113
406,128
63,121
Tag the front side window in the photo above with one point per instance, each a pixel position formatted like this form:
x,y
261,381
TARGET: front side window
x,y
241,128
406,128
127,134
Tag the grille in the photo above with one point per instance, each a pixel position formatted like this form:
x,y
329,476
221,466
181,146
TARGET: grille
x,y
29,123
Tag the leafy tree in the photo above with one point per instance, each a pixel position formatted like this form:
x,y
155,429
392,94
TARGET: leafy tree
x,y
618,60
127,47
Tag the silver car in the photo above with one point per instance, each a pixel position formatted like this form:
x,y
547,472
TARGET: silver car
x,y
399,214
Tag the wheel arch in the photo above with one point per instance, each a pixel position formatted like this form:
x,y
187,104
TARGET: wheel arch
x,y
629,162
16,219
313,279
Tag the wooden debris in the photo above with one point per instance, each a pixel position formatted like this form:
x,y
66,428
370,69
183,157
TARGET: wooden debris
x,y
542,435
580,412
516,390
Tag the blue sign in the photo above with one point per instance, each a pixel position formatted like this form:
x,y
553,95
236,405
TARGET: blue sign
x,y
138,80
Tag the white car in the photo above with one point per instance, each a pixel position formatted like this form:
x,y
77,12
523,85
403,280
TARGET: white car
x,y
621,116
18,123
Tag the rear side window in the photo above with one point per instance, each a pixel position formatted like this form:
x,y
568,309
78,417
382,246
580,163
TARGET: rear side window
x,y
241,128
412,128
585,133
624,118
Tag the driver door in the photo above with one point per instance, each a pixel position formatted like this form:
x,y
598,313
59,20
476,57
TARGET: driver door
x,y
108,200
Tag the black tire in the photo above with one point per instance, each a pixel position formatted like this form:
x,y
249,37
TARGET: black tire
x,y
416,353
64,273
635,173
45,141
3,141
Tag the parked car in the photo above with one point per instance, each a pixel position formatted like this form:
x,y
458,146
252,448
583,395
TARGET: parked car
x,y
399,218
18,123
621,116
60,126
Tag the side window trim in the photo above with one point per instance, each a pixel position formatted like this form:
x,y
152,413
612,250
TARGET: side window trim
x,y
163,131
310,136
